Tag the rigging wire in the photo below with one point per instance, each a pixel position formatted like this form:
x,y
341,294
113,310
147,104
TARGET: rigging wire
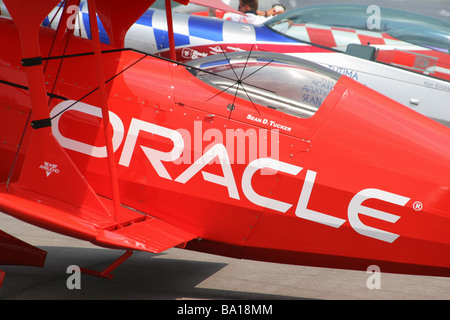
x,y
239,81
95,89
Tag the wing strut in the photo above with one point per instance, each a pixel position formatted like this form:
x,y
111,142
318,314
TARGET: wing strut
x,y
104,106
28,23
170,30
217,4
43,150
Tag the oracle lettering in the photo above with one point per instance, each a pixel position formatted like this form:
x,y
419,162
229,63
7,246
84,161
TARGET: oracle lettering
x,y
155,157
355,208
98,152
228,180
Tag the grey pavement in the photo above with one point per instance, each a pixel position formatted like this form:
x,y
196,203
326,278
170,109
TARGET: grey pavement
x,y
178,274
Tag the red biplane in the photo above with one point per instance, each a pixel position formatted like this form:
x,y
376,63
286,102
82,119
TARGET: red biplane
x,y
250,155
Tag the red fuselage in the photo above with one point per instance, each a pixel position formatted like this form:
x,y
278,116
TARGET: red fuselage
x,y
363,181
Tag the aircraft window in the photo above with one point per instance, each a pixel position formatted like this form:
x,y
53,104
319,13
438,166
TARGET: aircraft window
x,y
405,26
291,85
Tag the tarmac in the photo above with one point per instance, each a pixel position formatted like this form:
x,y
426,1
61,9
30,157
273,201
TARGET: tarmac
x,y
179,274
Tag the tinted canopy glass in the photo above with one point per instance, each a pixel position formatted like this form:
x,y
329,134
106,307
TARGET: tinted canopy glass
x,y
290,85
409,27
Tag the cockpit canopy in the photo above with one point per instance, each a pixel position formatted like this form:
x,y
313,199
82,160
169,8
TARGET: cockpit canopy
x,y
290,85
405,26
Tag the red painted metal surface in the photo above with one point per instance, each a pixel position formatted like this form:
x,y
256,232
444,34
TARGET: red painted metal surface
x,y
362,181
17,252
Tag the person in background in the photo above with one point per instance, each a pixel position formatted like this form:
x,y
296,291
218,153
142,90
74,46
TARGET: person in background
x,y
251,13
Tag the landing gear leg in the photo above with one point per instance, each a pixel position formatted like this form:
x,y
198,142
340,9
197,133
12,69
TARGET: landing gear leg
x,y
107,272
2,277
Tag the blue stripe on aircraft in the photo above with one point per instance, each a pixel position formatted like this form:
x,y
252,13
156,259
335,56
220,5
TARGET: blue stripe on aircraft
x,y
265,34
162,39
146,18
161,36
46,22
210,29
181,39
102,32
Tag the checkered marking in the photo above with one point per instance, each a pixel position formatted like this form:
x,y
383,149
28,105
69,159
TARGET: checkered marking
x,y
338,38
191,30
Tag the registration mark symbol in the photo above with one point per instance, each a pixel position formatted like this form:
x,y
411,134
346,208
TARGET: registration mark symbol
x,y
418,206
